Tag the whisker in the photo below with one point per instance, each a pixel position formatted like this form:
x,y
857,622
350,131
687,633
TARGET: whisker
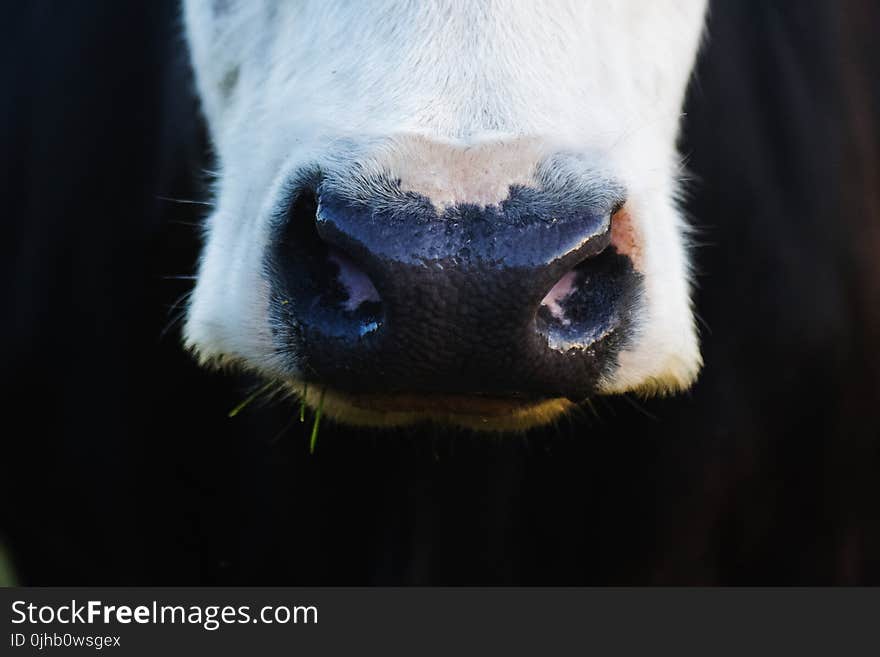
x,y
188,224
274,440
171,324
183,200
176,318
641,409
589,403
702,322
608,406
178,301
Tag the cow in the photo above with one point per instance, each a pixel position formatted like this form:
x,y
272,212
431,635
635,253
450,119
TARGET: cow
x,y
121,464
457,211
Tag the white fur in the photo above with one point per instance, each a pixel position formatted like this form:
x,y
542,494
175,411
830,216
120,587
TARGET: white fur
x,y
437,90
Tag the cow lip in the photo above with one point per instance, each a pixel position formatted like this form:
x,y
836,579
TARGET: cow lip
x,y
473,412
433,404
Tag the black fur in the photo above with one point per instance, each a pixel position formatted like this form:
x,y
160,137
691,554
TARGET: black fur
x,y
126,469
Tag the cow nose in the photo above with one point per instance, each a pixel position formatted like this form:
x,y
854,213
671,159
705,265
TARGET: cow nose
x,y
522,299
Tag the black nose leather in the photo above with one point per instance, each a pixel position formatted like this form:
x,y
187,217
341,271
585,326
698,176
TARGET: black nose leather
x,y
454,301
486,245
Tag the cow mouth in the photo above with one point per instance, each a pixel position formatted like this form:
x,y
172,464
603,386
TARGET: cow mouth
x,y
476,412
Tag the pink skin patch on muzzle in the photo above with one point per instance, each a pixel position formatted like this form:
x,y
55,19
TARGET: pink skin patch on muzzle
x,y
355,282
557,294
625,236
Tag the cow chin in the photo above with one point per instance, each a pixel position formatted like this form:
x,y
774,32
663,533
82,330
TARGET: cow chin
x,y
400,410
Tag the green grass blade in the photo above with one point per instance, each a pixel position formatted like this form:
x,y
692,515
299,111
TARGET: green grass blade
x,y
314,438
302,402
235,411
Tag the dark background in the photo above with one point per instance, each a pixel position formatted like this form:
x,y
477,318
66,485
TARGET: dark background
x,y
119,464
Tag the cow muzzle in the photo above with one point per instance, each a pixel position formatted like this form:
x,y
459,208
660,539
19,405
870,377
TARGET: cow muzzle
x,y
517,303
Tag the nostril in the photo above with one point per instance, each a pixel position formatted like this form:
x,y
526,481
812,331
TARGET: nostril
x,y
323,288
587,304
358,287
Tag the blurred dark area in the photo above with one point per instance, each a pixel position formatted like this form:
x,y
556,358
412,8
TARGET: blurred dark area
x,y
119,464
